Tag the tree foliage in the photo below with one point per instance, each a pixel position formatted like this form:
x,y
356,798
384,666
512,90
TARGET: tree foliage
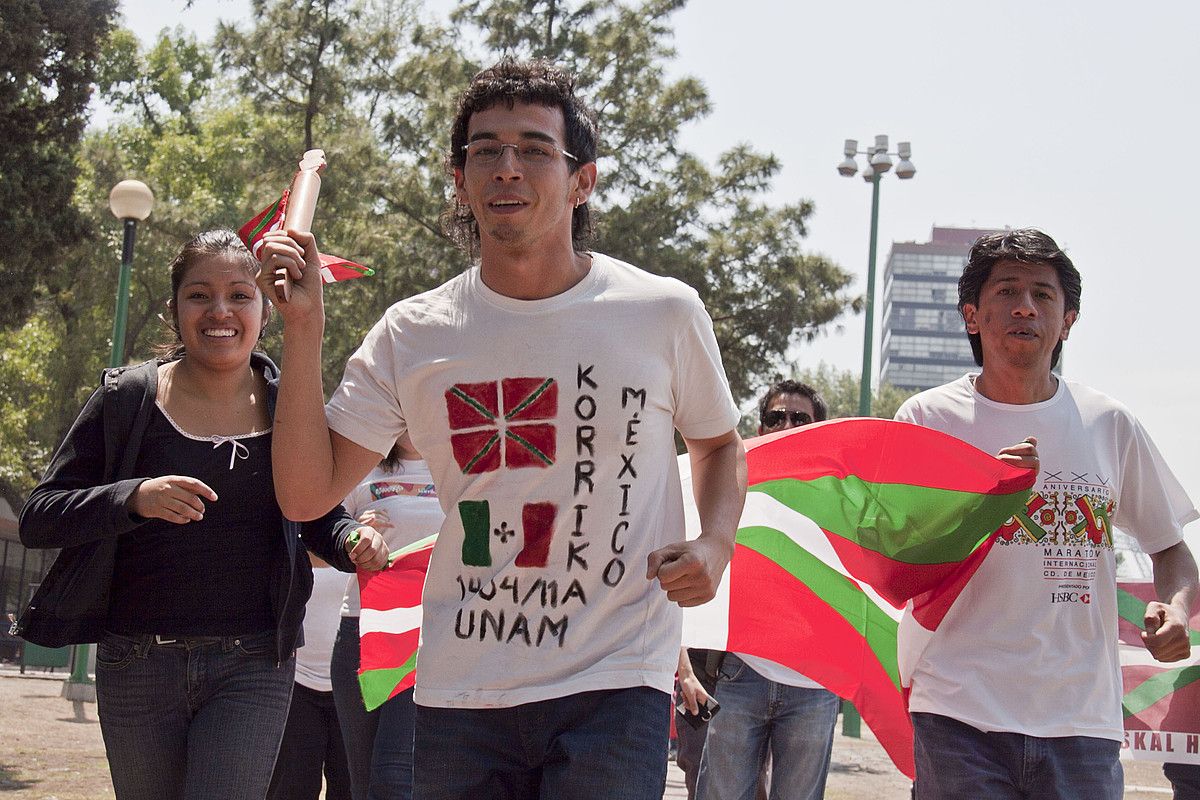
x,y
48,53
840,390
661,207
216,129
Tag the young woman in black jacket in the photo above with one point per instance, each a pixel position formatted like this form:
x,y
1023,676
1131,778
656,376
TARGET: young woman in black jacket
x,y
176,558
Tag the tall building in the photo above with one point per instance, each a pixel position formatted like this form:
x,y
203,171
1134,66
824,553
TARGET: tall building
x,y
924,344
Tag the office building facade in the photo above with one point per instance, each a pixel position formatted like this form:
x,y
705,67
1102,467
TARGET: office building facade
x,y
924,343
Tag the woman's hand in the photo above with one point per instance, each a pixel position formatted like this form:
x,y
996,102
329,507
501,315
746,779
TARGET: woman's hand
x,y
174,498
367,549
376,518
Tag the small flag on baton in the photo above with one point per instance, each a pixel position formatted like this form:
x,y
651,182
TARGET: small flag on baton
x,y
333,268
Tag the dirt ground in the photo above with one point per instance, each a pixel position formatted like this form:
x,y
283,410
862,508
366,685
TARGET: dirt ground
x,y
46,755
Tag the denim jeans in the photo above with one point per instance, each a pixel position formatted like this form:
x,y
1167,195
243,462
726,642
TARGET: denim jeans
x,y
311,751
957,760
757,715
379,743
1185,780
199,718
609,745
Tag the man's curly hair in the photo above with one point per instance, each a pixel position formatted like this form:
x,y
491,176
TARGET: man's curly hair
x,y
511,81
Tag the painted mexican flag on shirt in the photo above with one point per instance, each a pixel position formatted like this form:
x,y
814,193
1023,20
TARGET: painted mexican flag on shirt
x,y
1161,702
389,626
845,522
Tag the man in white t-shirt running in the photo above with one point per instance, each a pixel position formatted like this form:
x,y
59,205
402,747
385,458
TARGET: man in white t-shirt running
x,y
1018,693
544,386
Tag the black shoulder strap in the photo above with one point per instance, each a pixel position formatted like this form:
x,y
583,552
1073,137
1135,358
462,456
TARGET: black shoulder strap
x,y
129,393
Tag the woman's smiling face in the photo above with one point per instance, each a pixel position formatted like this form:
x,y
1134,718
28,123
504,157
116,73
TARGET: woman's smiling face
x,y
219,311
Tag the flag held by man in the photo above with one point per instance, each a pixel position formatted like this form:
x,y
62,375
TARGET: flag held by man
x,y
845,522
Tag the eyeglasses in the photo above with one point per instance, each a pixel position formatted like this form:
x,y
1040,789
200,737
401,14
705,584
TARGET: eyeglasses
x,y
531,152
776,418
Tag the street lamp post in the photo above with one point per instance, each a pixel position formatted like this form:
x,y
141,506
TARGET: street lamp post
x,y
879,161
130,202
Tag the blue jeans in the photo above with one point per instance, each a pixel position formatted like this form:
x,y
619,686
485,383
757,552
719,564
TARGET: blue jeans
x,y
1185,780
199,718
757,715
957,760
609,744
379,743
311,751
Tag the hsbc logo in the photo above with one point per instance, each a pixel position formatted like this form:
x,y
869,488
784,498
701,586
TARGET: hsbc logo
x,y
1071,597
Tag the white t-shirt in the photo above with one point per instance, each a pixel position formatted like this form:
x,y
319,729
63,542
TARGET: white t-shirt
x,y
408,497
778,673
320,628
1030,645
549,428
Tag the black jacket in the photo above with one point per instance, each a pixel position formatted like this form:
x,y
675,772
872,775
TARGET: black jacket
x,y
80,506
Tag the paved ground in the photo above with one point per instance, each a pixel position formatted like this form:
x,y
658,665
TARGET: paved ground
x,y
45,754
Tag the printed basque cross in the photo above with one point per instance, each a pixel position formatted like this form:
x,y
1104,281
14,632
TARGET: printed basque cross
x,y
482,432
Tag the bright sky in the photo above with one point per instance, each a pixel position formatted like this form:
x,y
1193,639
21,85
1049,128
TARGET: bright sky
x,y
1072,118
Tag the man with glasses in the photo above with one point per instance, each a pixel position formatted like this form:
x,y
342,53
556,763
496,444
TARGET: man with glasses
x,y
544,385
1018,693
775,725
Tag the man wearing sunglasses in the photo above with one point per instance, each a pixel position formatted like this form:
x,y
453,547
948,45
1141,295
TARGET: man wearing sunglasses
x,y
773,721
789,404
544,386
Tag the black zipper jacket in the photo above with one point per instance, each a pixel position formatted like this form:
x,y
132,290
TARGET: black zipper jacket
x,y
80,506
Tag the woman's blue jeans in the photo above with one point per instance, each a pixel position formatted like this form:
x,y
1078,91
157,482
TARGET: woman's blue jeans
x,y
194,717
379,743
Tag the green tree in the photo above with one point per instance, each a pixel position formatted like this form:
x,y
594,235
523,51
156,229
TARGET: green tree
x,y
196,153
48,51
375,76
374,86
216,130
840,389
661,207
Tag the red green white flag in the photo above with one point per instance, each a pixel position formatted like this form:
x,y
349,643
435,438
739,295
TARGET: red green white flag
x,y
333,268
1161,702
845,522
389,628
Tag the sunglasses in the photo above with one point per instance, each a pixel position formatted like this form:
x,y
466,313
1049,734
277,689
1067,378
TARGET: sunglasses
x,y
777,417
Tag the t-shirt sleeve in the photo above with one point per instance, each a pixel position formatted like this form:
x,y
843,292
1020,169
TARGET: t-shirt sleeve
x,y
704,408
1153,506
909,411
365,408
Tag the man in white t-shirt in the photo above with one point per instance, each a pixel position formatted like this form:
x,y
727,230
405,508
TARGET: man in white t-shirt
x,y
1018,693
544,387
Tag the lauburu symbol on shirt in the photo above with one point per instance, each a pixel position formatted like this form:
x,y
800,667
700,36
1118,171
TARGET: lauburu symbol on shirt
x,y
500,420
